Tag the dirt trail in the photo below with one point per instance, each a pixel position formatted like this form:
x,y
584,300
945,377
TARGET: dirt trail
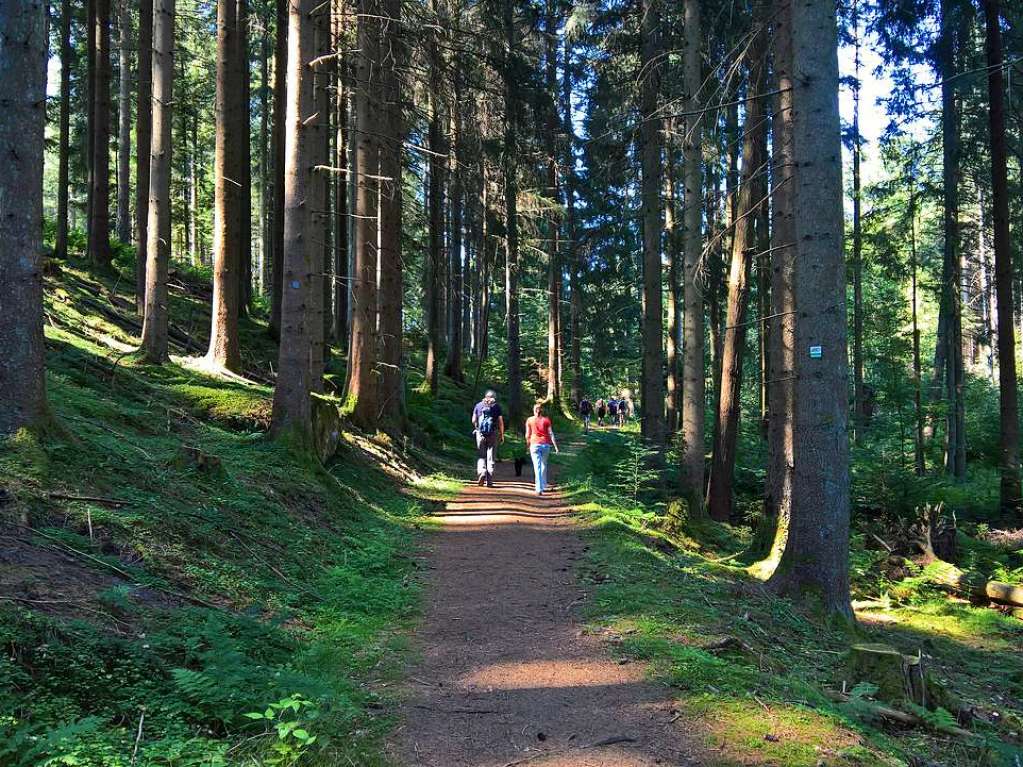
x,y
506,676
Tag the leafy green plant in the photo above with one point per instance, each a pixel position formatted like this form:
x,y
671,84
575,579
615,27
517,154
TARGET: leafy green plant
x,y
289,720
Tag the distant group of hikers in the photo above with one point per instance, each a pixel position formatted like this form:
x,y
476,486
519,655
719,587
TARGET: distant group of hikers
x,y
488,429
616,410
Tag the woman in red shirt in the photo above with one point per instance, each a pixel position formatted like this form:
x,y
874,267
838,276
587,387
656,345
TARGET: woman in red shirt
x,y
540,440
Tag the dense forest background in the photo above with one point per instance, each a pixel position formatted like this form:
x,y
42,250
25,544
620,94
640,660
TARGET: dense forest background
x,y
261,257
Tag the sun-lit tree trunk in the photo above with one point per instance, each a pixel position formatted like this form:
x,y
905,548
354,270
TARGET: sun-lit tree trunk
x,y
435,221
652,385
64,148
859,402
1008,442
279,131
553,222
225,348
918,411
363,389
815,560
242,173
158,228
124,124
673,337
453,365
748,200
341,276
292,405
573,253
264,161
318,201
23,55
511,213
693,376
955,423
99,191
392,385
143,139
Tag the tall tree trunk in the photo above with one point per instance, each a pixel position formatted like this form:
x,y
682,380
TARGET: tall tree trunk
x,y
264,161
815,559
435,222
292,406
124,124
673,389
553,221
511,214
573,253
225,348
193,192
64,148
694,382
23,57
341,276
652,386
279,131
158,228
453,365
143,141
747,202
859,401
363,390
243,158
392,385
318,200
99,226
955,431
1008,442
918,441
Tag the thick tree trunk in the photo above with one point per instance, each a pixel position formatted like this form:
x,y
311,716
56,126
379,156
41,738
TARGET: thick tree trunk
x,y
652,386
955,431
280,130
64,147
23,56
242,174
225,348
318,201
1008,442
99,208
124,125
143,142
158,228
747,202
363,390
453,365
511,214
694,382
392,384
292,406
341,275
816,554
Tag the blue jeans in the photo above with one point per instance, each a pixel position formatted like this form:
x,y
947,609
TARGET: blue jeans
x,y
539,454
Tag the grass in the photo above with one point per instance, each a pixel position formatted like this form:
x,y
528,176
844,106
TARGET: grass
x,y
752,671
191,597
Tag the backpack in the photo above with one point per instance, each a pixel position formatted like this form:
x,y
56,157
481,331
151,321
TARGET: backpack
x,y
485,423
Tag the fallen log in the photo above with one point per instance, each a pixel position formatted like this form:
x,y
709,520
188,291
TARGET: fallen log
x,y
972,584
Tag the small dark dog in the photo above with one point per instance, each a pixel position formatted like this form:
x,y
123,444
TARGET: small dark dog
x,y
519,463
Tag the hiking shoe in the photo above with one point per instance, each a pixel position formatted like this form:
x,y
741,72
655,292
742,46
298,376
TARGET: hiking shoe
x,y
490,480
482,478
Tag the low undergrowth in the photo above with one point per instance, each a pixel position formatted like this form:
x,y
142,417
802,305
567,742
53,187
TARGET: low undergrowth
x,y
752,671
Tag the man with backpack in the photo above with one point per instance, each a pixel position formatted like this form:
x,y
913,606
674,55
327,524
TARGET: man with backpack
x,y
612,410
586,411
488,428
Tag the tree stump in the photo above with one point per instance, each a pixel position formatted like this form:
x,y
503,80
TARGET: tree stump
x,y
898,677
192,457
326,428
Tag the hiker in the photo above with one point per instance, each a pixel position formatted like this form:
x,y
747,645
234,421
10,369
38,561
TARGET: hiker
x,y
601,411
612,410
624,408
540,440
586,411
488,428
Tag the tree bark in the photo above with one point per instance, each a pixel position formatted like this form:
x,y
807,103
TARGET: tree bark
x,y
747,202
64,148
652,386
143,146
392,384
124,125
280,129
453,365
292,405
23,57
573,253
859,402
225,348
553,221
816,554
511,191
435,202
1008,441
158,228
918,441
99,224
673,389
341,275
363,391
318,201
242,173
694,382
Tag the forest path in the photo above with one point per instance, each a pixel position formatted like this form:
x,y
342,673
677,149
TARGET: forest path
x,y
506,674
